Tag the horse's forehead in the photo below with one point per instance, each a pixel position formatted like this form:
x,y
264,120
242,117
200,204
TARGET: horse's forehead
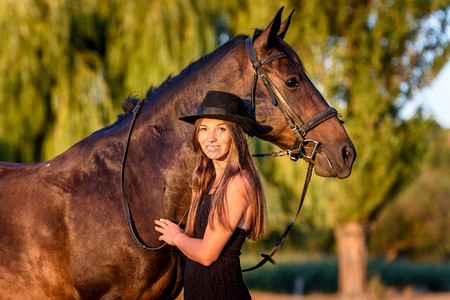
x,y
284,67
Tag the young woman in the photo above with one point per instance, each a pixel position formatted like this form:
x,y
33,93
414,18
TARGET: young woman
x,y
227,201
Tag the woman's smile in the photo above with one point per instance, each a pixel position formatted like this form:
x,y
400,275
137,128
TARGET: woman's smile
x,y
213,147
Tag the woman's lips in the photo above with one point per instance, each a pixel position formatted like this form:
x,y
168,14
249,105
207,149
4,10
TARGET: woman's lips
x,y
212,147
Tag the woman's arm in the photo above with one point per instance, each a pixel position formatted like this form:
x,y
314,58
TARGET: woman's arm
x,y
207,250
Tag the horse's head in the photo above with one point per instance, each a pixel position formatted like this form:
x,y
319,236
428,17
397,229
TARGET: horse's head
x,y
295,100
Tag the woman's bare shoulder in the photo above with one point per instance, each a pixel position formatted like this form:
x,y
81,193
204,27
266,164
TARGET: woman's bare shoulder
x,y
239,183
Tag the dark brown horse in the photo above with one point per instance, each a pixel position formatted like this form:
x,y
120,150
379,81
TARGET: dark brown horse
x,y
62,232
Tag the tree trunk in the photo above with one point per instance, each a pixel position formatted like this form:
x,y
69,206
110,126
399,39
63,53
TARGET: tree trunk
x,y
352,260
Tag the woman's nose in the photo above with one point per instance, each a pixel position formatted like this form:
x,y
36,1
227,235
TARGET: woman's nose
x,y
212,136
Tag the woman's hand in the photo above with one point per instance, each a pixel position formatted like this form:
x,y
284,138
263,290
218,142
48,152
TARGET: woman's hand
x,y
168,230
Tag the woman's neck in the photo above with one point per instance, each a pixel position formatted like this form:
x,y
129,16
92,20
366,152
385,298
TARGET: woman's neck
x,y
219,167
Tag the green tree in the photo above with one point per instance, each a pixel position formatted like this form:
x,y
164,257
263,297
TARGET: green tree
x,y
66,65
417,223
46,82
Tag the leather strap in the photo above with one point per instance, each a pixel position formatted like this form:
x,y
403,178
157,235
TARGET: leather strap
x,y
298,127
269,257
126,206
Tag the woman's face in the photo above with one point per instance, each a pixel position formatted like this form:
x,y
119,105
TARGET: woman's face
x,y
214,138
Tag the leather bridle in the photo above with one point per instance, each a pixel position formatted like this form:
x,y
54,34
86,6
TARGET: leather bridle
x,y
298,127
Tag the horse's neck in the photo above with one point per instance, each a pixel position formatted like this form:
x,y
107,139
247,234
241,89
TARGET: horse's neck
x,y
174,160
165,141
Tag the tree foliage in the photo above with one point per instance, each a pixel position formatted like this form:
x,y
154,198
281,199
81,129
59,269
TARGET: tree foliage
x,y
67,64
51,92
416,224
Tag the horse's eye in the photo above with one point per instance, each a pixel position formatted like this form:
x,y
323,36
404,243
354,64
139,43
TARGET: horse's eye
x,y
291,82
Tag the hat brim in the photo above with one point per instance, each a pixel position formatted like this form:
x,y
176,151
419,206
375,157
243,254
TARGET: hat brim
x,y
248,125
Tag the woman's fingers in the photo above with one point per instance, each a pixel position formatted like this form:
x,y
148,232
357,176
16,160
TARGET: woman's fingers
x,y
168,230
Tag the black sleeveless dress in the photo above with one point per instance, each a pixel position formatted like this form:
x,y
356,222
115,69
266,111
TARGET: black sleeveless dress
x,y
222,279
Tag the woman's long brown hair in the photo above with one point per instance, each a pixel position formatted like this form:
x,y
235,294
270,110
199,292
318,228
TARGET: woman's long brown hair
x,y
239,162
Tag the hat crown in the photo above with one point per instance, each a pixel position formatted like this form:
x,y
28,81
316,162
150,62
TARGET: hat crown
x,y
228,107
217,102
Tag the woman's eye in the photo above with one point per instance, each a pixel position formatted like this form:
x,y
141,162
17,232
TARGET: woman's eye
x,y
291,82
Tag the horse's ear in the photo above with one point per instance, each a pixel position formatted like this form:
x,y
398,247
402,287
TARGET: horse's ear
x,y
268,38
284,26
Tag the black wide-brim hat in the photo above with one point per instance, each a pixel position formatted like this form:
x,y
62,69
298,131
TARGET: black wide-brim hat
x,y
228,107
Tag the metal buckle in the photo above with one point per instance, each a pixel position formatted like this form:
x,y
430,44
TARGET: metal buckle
x,y
313,152
295,154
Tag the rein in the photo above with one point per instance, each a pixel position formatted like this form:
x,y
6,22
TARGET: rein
x,y
126,206
268,257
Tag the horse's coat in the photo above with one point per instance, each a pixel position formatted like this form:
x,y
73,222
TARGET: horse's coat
x,y
62,232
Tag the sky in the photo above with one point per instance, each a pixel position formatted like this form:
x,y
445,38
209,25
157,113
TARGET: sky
x,y
435,99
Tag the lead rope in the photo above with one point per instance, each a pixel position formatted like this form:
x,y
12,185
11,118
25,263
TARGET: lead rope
x,y
269,257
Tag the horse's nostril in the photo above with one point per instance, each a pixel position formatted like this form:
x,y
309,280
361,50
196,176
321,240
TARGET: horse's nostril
x,y
348,155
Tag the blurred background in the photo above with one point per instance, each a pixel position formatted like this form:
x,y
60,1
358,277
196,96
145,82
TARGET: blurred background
x,y
66,66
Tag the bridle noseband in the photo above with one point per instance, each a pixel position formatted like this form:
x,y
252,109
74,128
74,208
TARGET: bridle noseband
x,y
298,127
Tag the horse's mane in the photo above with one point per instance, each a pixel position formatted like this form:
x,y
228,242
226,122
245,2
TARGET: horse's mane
x,y
131,101
194,66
